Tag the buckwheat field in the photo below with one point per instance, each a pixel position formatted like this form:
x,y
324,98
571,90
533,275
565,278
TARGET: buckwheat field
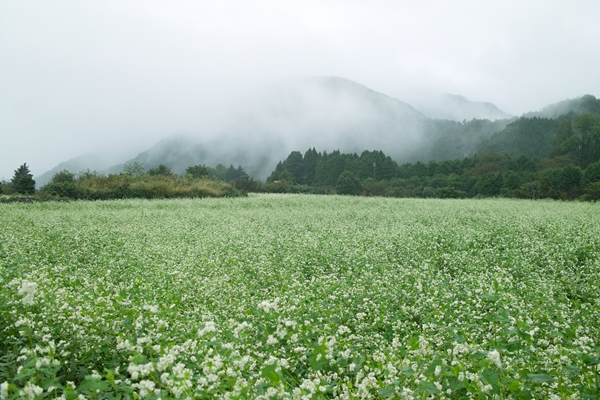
x,y
300,297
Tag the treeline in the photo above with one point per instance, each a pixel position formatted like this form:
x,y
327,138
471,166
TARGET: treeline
x,y
133,182
487,175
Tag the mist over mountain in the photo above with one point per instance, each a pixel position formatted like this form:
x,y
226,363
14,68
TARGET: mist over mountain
x,y
580,105
457,108
264,125
99,162
324,112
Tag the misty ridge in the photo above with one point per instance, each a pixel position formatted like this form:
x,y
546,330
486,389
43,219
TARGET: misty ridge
x,y
260,127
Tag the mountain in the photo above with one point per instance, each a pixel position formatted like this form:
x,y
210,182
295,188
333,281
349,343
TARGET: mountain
x,y
328,113
580,105
331,113
93,162
458,108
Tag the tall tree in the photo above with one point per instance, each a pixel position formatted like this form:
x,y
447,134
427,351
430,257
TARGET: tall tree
x,y
311,159
294,164
22,180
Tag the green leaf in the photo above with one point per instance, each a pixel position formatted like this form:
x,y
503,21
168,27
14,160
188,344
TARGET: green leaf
x,y
430,388
515,385
270,372
93,385
387,391
589,360
572,369
543,377
491,297
318,359
490,376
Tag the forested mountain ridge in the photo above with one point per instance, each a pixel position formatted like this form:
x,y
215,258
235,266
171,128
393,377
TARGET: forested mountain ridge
x,y
580,105
455,107
330,114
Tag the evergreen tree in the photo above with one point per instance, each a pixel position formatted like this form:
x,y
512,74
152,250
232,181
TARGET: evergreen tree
x,y
22,181
311,159
329,169
294,164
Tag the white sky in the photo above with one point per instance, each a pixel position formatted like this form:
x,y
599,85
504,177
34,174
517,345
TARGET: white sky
x,y
76,76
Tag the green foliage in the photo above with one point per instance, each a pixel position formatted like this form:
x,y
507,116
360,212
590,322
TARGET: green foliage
x,y
197,171
245,184
591,174
588,126
490,163
63,176
592,191
62,185
348,183
453,140
532,137
294,164
227,174
158,186
22,181
5,188
567,143
160,170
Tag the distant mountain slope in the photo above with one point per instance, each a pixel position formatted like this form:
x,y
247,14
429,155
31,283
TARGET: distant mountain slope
x,y
325,112
580,105
458,108
452,140
534,133
93,162
532,137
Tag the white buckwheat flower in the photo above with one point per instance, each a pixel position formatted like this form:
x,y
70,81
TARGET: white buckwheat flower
x,y
27,289
494,357
4,390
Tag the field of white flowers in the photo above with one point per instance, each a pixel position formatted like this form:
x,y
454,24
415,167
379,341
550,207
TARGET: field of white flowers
x,y
300,297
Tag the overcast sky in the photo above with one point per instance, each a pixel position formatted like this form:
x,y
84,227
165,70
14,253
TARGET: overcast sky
x,y
77,76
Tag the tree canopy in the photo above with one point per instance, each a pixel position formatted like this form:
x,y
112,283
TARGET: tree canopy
x,y
22,181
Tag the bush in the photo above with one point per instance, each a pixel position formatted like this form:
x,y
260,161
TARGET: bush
x,y
348,183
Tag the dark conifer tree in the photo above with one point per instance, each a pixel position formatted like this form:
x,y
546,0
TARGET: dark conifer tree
x,y
22,181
